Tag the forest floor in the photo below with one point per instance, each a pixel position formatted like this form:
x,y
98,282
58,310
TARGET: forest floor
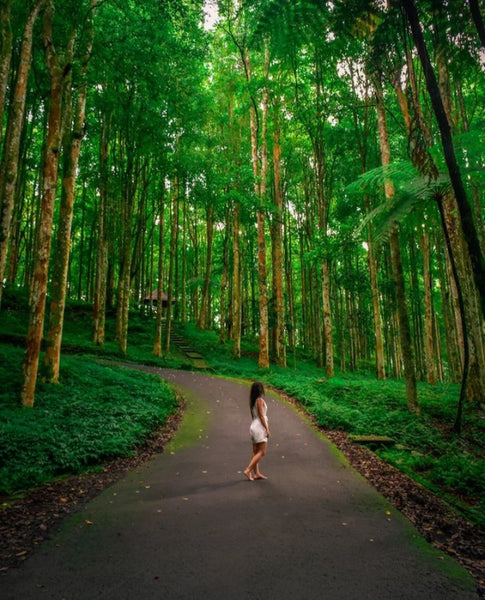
x,y
26,522
436,521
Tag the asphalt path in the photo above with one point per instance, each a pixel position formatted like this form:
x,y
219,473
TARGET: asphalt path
x,y
189,526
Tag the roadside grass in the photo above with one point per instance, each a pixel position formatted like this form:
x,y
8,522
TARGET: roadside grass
x,y
99,412
96,413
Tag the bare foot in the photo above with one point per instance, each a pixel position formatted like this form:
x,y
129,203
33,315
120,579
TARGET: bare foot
x,y
260,476
248,474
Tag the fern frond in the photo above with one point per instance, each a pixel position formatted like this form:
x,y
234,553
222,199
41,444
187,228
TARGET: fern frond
x,y
411,190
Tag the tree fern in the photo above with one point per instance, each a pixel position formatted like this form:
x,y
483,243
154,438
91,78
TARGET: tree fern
x,y
411,190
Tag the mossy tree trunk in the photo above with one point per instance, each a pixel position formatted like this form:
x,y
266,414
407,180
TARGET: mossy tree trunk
x,y
10,157
38,292
397,270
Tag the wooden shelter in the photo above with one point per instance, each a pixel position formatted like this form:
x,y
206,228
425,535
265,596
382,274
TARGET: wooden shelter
x,y
153,299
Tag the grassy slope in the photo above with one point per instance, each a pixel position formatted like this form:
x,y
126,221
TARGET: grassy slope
x,y
95,413
99,412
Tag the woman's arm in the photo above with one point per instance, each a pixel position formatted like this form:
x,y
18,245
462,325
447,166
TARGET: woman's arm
x,y
262,418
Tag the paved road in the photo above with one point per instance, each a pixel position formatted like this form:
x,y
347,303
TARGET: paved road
x,y
189,526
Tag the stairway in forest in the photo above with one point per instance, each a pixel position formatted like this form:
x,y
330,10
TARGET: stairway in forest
x,y
196,359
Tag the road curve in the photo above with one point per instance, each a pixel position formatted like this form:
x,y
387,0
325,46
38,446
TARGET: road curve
x,y
189,526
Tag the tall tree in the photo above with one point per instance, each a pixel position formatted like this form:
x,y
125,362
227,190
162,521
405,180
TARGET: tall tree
x,y
58,67
277,244
157,345
466,215
5,53
72,146
402,312
10,157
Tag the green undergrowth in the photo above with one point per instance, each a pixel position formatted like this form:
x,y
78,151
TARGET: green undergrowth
x,y
425,447
77,333
97,412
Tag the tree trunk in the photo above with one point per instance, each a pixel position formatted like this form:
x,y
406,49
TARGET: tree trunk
x,y
236,287
79,283
327,320
157,345
380,359
223,333
322,207
174,210
124,289
478,20
204,322
415,308
21,221
5,54
289,287
10,158
461,311
194,238
101,274
473,348
41,263
184,265
477,201
429,346
277,229
304,290
371,253
137,269
175,286
263,360
72,148
396,261
449,319
457,260
466,215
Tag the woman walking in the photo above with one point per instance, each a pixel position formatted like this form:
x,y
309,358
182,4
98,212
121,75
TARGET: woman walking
x,y
259,430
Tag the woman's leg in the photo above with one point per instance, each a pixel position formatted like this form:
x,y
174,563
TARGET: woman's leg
x,y
259,451
257,472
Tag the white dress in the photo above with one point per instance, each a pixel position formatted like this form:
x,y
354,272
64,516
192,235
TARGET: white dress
x,y
257,430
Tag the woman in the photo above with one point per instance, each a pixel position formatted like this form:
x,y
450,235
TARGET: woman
x,y
259,430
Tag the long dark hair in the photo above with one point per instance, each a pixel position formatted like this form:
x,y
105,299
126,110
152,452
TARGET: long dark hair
x,y
257,391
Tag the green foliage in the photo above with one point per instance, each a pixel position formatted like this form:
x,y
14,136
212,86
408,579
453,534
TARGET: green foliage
x,y
95,413
412,191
